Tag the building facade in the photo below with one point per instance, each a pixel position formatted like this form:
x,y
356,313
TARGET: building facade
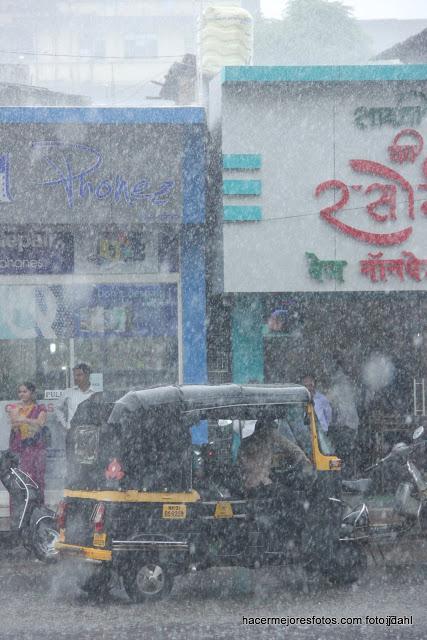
x,y
323,221
102,251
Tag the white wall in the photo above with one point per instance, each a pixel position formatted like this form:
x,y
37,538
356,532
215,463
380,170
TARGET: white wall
x,y
306,134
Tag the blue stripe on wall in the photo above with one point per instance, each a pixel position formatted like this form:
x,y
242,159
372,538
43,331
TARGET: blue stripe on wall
x,y
193,175
242,214
241,187
241,161
85,115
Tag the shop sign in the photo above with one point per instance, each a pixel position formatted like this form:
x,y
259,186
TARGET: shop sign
x,y
129,311
28,249
378,268
53,394
75,169
117,249
56,311
383,209
363,169
410,111
120,246
330,269
130,173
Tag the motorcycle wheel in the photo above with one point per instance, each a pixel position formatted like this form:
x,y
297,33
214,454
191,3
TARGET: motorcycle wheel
x,y
44,537
147,581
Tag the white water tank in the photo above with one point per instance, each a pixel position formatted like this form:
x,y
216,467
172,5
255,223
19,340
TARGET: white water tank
x,y
226,38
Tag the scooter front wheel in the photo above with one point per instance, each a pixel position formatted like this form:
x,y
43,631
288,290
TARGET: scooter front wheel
x,y
44,537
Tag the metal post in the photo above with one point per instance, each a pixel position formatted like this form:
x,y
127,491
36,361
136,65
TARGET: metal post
x,y
423,397
419,403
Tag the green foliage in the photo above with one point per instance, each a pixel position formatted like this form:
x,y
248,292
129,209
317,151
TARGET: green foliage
x,y
311,32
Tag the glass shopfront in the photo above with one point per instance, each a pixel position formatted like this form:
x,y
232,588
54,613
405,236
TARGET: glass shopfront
x,y
128,333
102,254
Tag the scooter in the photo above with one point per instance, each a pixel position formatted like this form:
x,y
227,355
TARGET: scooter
x,y
30,519
406,518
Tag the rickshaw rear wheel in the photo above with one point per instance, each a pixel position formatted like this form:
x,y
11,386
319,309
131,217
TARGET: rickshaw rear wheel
x,y
147,581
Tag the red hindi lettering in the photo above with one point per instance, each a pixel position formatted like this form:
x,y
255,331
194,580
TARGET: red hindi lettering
x,y
423,208
374,267
413,265
387,199
378,169
395,266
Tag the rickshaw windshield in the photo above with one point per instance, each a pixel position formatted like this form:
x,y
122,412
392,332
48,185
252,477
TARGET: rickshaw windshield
x,y
227,423
296,428
325,445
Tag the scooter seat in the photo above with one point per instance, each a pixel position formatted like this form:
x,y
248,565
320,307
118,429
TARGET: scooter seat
x,y
357,486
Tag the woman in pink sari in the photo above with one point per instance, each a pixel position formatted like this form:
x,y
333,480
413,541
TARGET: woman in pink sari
x,y
27,420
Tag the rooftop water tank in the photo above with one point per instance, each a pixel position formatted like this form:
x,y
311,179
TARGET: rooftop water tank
x,y
226,38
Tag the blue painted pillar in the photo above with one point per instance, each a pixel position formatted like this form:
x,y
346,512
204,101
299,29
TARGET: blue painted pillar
x,y
193,265
193,304
247,340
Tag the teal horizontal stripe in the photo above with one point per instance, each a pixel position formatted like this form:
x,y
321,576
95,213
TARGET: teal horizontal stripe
x,y
241,187
240,214
325,73
241,161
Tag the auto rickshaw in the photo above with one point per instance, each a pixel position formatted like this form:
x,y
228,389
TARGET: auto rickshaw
x,y
137,505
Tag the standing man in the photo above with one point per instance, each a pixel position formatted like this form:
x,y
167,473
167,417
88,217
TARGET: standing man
x,y
73,397
342,394
322,405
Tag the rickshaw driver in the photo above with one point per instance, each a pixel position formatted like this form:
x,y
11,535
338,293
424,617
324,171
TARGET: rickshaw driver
x,y
256,453
280,505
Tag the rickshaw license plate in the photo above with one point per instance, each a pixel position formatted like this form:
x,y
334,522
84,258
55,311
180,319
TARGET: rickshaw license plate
x,y
99,539
223,510
175,511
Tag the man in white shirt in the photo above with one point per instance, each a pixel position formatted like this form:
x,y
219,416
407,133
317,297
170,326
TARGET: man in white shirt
x,y
73,397
322,405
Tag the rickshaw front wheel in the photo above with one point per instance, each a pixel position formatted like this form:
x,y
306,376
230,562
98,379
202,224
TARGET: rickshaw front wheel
x,y
147,581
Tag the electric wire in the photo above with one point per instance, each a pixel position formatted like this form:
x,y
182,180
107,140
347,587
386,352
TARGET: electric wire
x,y
308,214
96,57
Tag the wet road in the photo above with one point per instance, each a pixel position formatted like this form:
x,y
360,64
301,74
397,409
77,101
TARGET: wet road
x,y
38,601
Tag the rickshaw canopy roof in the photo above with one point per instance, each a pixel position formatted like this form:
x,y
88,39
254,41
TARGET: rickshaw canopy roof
x,y
192,398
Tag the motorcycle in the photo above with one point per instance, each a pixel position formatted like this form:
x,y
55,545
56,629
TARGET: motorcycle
x,y
30,519
388,525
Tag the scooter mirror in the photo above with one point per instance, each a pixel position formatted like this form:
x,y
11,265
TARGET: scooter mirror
x,y
419,431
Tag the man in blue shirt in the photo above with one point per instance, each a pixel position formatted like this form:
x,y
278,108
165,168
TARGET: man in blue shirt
x,y
322,406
